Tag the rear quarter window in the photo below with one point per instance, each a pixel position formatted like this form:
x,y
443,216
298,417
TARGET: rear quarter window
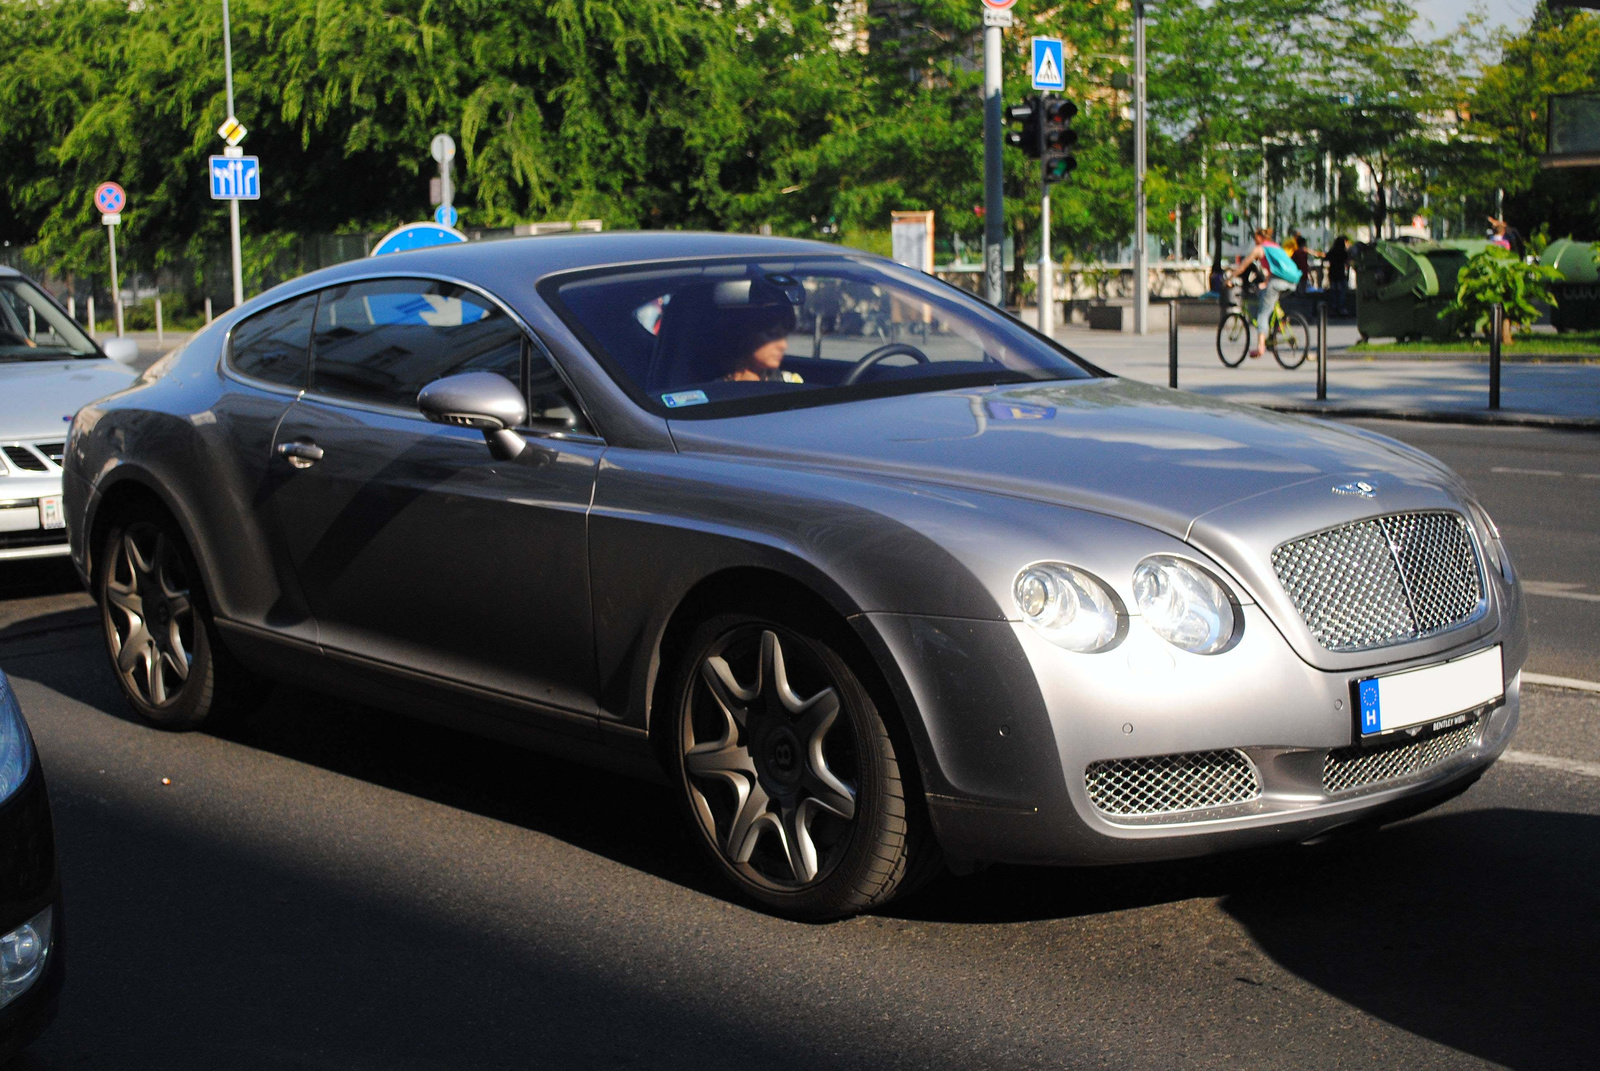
x,y
274,344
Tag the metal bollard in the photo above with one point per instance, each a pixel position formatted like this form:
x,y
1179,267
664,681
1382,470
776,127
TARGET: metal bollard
x,y
1172,344
160,336
1322,351
72,307
208,310
91,314
1497,319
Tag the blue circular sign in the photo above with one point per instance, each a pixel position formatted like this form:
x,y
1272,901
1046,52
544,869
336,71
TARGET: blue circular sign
x,y
446,215
417,236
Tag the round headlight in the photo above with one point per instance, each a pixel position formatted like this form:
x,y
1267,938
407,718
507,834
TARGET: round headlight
x,y
1068,606
1183,604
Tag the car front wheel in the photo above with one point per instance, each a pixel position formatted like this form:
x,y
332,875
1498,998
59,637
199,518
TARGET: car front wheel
x,y
789,773
163,646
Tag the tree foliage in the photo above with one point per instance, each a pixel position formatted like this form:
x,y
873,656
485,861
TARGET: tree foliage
x,y
813,117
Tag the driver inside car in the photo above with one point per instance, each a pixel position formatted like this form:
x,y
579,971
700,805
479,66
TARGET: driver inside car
x,y
762,340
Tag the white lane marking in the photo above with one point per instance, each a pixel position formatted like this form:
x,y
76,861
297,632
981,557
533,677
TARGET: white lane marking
x,y
1526,472
1558,590
1551,762
1560,682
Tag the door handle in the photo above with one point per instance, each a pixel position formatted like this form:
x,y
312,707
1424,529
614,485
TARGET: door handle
x,y
302,454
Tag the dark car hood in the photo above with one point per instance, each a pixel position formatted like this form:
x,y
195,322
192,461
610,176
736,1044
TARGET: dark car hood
x,y
1157,456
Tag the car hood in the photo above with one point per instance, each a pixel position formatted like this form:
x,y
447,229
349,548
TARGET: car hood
x,y
1160,457
39,398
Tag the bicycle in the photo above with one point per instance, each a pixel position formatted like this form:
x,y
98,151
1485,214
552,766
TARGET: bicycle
x,y
1288,337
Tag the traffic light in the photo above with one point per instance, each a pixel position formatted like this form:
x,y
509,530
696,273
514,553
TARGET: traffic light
x,y
1056,137
1026,113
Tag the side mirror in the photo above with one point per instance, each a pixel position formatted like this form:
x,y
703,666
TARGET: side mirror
x,y
483,400
121,350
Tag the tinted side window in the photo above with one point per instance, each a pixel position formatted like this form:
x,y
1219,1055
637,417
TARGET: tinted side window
x,y
272,345
383,341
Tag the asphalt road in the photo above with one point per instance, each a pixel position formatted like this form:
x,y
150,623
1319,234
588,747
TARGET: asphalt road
x,y
326,886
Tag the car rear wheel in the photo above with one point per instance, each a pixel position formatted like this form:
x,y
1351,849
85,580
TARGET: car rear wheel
x,y
159,634
789,774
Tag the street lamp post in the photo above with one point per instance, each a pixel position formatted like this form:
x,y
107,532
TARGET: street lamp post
x,y
1141,271
233,202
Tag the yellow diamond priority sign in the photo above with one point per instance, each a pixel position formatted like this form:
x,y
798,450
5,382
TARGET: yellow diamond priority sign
x,y
232,131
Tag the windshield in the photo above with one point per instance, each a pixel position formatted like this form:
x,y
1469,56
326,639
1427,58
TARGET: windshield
x,y
33,329
722,338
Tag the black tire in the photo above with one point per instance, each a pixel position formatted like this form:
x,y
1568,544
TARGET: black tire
x,y
1292,341
742,757
176,675
1233,339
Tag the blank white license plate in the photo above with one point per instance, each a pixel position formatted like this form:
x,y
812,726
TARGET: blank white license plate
x,y
50,515
1419,696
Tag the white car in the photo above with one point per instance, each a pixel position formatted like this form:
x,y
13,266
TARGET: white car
x,y
49,369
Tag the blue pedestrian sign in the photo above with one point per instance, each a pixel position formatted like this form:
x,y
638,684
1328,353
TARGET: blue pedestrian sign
x,y
417,236
1047,67
446,215
235,178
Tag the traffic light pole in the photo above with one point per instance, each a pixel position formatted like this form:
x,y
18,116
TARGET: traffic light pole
x,y
994,204
1047,316
1141,269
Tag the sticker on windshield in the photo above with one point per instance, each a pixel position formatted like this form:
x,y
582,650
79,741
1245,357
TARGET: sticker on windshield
x,y
681,398
1020,411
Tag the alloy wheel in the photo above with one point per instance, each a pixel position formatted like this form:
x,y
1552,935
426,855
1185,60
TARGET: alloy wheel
x,y
150,619
770,781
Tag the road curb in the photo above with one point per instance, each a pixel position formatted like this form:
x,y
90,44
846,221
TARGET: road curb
x,y
1442,416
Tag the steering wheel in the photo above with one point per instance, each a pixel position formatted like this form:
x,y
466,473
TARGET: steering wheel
x,y
863,366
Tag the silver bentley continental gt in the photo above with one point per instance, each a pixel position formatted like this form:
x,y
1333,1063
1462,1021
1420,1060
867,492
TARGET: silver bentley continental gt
x,y
876,578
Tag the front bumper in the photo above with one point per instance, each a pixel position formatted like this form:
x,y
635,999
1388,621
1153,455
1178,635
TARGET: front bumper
x,y
1013,727
23,519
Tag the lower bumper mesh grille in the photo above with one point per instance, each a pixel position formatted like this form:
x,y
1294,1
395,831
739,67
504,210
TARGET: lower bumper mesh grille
x,y
1351,768
1166,784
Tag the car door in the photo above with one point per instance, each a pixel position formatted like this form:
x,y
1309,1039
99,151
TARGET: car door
x,y
267,362
417,550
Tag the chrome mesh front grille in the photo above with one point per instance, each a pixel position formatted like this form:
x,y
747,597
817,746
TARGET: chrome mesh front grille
x,y
1382,581
1352,768
1166,784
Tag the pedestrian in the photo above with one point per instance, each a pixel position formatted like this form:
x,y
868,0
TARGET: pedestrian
x,y
1338,261
1278,276
1301,254
1218,280
1497,234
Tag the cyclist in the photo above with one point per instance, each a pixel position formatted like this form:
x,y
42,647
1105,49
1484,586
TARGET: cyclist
x,y
1278,276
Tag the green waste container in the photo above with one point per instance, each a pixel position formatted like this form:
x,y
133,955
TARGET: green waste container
x,y
1578,295
1402,286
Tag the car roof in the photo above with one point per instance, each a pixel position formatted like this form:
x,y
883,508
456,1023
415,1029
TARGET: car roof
x,y
503,260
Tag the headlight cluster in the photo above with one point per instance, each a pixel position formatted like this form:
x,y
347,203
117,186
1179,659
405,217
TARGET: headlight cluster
x,y
1069,606
16,746
1180,601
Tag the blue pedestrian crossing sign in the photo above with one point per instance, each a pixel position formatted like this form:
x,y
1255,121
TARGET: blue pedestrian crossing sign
x,y
1047,67
235,178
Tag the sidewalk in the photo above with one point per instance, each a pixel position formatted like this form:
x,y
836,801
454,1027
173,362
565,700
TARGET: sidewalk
x,y
1564,394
